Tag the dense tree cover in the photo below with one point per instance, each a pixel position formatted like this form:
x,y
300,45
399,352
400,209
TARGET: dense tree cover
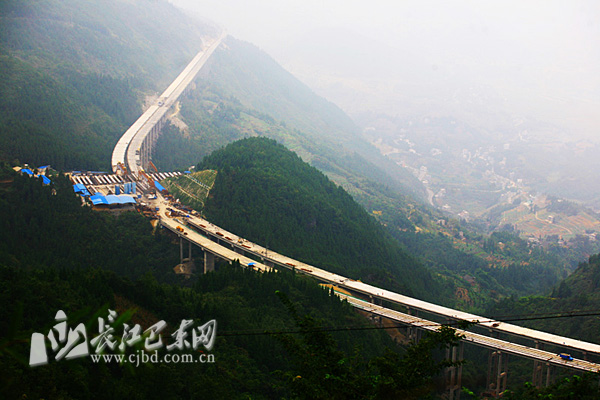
x,y
253,77
248,362
212,121
573,388
39,228
68,122
564,206
267,194
496,266
576,294
50,261
244,363
321,371
72,74
241,81
223,118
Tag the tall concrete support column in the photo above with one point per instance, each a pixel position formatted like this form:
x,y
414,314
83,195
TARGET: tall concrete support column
x,y
180,250
414,334
538,368
497,372
143,157
549,374
146,153
454,374
209,261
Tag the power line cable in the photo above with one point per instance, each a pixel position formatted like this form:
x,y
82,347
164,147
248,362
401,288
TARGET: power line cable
x,y
396,326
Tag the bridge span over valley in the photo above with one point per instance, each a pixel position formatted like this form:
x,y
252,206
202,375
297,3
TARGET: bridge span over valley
x,y
131,159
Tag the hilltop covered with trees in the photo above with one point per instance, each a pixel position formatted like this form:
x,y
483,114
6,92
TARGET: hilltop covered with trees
x,y
268,195
57,255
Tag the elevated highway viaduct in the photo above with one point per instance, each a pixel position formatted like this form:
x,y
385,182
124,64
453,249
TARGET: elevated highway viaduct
x,y
133,151
132,155
226,245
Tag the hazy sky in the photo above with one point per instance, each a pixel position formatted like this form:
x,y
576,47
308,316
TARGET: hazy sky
x,y
543,54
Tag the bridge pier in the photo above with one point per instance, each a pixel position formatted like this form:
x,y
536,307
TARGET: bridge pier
x,y
375,300
538,368
497,372
267,262
149,142
209,262
542,374
414,334
181,259
454,373
180,250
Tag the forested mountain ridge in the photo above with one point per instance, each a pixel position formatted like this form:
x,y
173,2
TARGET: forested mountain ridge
x,y
268,195
65,110
73,75
244,92
577,294
53,256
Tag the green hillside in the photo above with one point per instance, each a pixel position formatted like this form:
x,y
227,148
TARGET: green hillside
x,y
273,328
244,92
73,74
576,294
267,194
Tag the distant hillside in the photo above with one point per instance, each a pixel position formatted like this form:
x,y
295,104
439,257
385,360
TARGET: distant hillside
x,y
543,217
56,255
577,293
267,194
73,74
246,93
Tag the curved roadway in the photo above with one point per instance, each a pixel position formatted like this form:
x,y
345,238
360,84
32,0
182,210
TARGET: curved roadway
x,y
270,257
127,151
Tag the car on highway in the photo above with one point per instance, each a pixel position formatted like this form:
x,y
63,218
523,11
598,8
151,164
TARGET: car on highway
x,y
565,356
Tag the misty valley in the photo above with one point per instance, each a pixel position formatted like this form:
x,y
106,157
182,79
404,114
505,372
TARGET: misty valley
x,y
331,212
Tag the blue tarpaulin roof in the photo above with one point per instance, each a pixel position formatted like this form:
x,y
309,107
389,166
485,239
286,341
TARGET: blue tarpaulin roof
x,y
44,167
27,171
159,187
45,179
112,199
80,188
187,172
98,199
125,199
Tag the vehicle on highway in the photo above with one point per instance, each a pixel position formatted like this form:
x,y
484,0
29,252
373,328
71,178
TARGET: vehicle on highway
x,y
565,356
